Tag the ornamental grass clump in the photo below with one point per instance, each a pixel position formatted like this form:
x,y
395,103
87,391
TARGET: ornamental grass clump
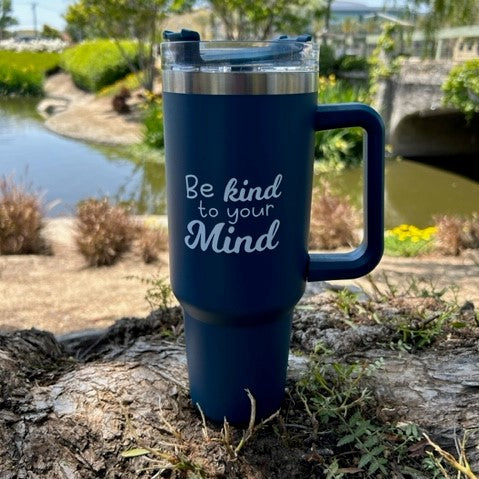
x,y
409,240
456,233
104,231
21,220
152,241
334,221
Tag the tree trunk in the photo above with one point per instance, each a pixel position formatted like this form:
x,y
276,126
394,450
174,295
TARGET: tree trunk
x,y
70,406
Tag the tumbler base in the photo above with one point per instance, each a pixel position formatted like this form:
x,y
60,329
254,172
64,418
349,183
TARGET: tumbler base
x,y
224,361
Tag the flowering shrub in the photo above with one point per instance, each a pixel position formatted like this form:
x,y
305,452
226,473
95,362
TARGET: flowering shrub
x,y
409,240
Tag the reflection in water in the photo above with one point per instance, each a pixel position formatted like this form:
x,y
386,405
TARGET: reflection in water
x,y
71,170
414,192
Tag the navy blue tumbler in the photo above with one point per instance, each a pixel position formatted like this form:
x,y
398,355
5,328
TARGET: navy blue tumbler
x,y
239,121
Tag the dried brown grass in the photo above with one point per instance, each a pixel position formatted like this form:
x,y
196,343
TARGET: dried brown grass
x,y
334,221
152,242
456,233
104,231
21,220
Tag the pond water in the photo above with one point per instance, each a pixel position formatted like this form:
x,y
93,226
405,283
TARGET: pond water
x,y
67,171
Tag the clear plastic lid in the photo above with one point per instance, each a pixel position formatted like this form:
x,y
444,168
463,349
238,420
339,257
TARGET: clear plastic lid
x,y
184,51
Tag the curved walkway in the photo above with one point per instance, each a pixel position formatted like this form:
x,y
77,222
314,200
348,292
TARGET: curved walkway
x,y
72,112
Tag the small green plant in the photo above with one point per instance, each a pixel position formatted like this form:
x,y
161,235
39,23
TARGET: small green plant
x,y
333,220
21,220
461,88
419,333
104,231
23,72
342,408
96,64
346,300
159,294
408,240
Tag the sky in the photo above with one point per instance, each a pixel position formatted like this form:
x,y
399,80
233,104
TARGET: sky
x,y
50,11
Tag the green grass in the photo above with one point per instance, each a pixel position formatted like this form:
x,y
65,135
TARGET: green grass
x,y
96,64
23,73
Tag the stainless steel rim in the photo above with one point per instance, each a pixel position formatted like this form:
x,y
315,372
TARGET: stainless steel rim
x,y
239,83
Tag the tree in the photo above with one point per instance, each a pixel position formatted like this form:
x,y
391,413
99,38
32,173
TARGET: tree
x,y
50,32
119,19
6,18
250,19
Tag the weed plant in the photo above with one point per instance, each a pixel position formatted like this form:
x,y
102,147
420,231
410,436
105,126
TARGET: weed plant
x,y
21,220
341,409
104,231
96,64
23,73
334,221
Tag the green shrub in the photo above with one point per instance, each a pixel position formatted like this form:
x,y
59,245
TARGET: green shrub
x,y
98,63
341,147
348,63
23,73
461,88
104,231
153,121
327,60
21,220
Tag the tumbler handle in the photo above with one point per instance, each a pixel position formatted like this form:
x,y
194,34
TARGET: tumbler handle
x,y
364,258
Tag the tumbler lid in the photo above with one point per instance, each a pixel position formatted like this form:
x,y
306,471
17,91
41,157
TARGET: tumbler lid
x,y
190,51
280,66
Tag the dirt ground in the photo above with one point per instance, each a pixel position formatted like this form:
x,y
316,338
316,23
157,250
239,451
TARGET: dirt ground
x,y
77,114
59,293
